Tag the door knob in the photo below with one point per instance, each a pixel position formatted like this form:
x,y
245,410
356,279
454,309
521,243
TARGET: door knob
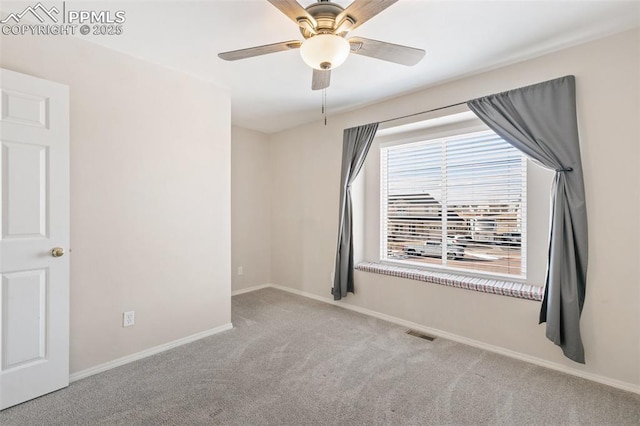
x,y
57,252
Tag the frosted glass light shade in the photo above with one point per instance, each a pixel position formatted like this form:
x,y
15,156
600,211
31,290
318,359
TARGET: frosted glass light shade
x,y
324,51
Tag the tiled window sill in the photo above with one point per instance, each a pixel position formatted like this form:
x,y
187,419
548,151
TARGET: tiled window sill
x,y
484,285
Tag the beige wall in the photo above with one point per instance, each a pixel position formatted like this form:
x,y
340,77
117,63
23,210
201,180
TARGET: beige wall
x,y
150,196
305,178
250,209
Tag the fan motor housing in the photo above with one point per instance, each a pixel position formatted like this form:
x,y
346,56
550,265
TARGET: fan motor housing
x,y
325,13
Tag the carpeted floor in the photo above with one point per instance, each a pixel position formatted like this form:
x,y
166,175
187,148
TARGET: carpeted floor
x,y
291,361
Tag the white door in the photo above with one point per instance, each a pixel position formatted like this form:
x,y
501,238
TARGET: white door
x,y
34,220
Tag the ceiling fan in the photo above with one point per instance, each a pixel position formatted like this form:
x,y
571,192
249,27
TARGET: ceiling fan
x,y
324,26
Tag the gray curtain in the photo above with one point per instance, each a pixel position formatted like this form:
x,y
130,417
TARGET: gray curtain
x,y
355,146
540,120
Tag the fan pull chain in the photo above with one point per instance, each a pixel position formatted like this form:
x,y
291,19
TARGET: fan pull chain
x,y
324,105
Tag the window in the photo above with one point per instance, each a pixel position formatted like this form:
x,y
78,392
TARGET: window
x,y
456,202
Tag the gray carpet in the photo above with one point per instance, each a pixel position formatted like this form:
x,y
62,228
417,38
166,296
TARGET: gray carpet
x,y
285,363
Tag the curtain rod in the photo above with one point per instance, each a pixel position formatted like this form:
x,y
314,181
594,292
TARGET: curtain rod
x,y
422,112
465,102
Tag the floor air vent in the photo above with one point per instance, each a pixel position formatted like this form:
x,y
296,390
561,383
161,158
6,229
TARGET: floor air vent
x,y
421,335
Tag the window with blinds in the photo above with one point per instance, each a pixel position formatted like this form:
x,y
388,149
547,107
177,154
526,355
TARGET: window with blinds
x,y
456,202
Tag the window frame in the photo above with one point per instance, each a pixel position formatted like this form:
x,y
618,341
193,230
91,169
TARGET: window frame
x,y
458,132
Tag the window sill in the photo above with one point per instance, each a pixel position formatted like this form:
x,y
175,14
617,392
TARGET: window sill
x,y
484,285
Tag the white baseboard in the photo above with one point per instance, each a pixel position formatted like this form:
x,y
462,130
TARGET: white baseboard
x,y
619,384
630,387
147,352
249,289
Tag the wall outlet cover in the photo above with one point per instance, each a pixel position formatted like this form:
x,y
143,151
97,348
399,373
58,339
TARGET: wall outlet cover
x,y
128,318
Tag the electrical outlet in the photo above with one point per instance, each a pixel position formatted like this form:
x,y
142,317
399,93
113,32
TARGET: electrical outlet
x,y
128,318
240,270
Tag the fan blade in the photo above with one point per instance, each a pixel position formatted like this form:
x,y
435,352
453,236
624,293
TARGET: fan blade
x,y
234,55
386,51
295,12
321,79
361,11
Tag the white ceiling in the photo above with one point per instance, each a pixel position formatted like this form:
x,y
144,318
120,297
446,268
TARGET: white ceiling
x,y
273,92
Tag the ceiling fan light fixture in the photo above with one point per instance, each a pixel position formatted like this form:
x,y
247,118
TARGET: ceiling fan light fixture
x,y
325,51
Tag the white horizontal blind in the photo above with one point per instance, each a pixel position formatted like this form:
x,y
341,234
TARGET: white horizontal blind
x,y
458,202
